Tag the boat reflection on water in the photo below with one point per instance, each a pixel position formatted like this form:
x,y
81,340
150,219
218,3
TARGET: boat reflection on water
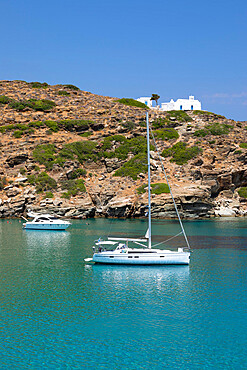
x,y
47,243
139,277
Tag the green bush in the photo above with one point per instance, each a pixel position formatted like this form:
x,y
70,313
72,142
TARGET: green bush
x,y
71,87
218,129
43,105
143,124
80,172
166,134
8,128
243,192
180,115
107,143
133,167
44,154
4,99
39,85
160,123
36,124
180,153
20,106
142,189
43,182
77,125
203,112
132,103
158,188
65,195
238,152
215,129
73,187
86,134
30,131
201,133
17,134
64,155
243,145
53,126
20,133
49,194
135,145
84,150
63,93
19,129
129,125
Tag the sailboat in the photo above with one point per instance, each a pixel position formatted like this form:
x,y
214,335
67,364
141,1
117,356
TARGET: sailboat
x,y
117,250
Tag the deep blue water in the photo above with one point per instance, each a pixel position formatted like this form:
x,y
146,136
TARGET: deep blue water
x,y
58,313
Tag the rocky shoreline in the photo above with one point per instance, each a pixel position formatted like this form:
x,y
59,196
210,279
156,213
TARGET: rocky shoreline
x,y
193,204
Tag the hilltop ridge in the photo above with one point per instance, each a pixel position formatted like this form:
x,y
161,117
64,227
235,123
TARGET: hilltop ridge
x,y
83,155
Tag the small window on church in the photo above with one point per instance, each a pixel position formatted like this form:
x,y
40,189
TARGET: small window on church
x,y
181,107
146,102
192,107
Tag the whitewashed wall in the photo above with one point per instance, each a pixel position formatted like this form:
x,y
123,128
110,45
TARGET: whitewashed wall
x,y
182,104
145,100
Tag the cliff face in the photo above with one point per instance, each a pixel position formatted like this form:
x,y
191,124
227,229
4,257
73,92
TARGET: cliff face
x,y
62,157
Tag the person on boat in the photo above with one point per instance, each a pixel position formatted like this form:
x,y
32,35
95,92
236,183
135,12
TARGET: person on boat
x,y
123,247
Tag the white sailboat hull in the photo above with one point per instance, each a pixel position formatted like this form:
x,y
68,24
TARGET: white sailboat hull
x,y
135,258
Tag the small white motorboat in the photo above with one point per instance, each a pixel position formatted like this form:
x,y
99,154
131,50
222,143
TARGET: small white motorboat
x,y
45,222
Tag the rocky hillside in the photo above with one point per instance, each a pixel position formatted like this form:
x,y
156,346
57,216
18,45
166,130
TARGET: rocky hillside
x,y
83,155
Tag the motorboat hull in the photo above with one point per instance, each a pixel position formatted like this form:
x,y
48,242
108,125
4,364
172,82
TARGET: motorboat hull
x,y
44,226
170,258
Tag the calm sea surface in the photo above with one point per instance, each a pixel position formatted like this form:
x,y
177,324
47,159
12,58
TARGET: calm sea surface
x,y
58,313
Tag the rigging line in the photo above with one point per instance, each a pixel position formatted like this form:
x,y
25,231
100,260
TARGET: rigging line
x,y
163,168
143,245
167,240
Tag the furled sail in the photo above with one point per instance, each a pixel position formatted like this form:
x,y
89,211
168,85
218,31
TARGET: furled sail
x,y
147,234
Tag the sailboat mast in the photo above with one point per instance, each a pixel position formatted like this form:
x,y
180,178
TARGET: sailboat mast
x,y
149,185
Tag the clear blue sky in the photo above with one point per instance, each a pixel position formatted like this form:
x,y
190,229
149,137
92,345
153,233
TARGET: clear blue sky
x,y
131,48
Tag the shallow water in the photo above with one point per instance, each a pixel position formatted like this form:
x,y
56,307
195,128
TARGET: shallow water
x,y
58,313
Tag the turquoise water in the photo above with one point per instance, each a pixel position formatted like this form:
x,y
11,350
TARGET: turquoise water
x,y
58,313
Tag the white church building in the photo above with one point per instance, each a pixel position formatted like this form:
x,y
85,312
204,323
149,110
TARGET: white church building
x,y
179,104
182,104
